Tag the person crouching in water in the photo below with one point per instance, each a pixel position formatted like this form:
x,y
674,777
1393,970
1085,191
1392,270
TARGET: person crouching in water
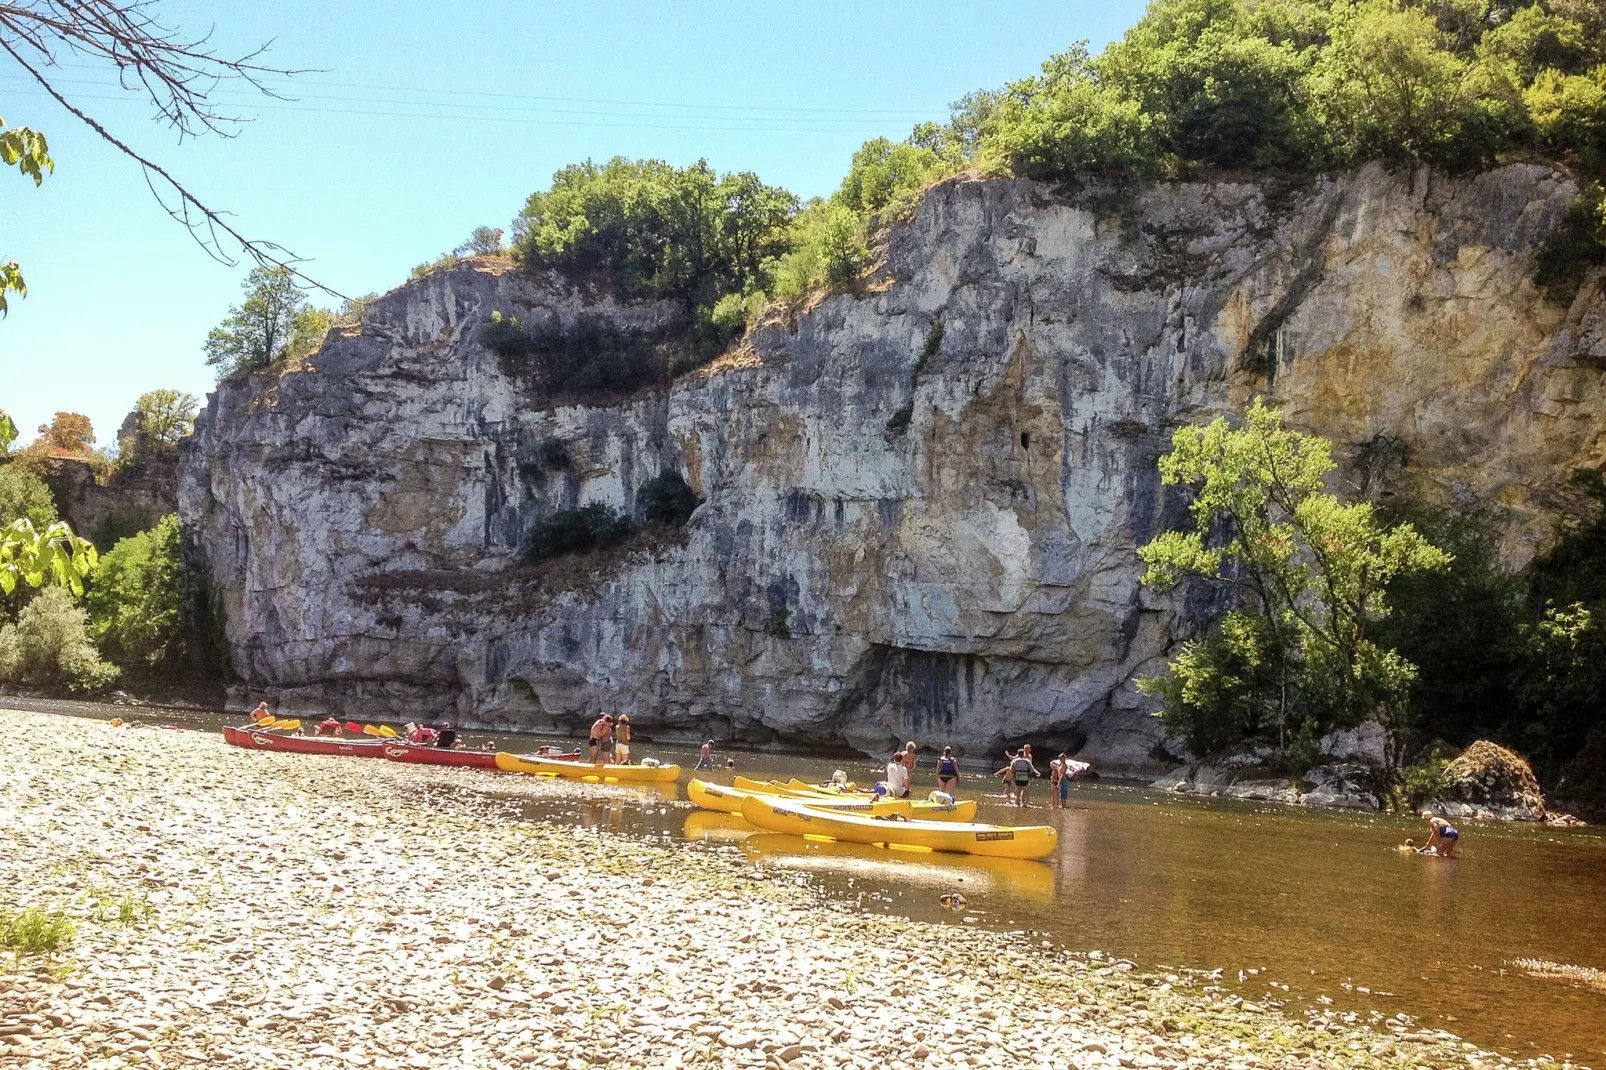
x,y
1442,838
621,740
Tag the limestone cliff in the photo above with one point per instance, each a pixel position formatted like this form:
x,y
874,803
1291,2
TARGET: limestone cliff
x,y
922,501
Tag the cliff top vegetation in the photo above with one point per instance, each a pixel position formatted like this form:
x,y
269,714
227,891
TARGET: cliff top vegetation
x,y
1195,88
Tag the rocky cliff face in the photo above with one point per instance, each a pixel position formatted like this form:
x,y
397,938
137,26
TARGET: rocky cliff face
x,y
922,502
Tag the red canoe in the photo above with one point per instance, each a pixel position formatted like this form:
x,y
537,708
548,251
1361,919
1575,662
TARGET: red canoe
x,y
253,739
397,751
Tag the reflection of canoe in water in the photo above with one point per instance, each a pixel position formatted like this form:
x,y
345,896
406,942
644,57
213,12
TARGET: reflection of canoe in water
x,y
730,800
948,872
798,818
717,827
597,773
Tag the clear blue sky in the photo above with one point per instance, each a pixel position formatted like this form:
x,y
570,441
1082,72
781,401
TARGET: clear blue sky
x,y
427,119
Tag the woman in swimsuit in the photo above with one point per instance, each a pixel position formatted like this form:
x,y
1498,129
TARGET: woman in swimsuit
x,y
947,771
1442,838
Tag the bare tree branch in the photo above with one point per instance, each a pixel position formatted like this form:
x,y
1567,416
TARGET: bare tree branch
x,y
177,73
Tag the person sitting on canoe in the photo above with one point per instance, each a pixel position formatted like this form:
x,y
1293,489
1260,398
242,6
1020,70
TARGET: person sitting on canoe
x,y
947,771
897,781
329,726
621,741
418,734
601,733
261,713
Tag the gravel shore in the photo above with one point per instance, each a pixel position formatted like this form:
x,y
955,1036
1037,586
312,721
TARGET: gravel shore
x,y
251,909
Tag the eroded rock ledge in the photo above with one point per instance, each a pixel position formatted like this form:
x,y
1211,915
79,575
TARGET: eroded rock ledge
x,y
948,539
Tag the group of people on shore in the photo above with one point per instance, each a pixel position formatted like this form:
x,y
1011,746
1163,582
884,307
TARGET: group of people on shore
x,y
1017,774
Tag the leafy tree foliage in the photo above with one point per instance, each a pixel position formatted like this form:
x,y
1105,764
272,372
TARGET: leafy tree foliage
x,y
273,323
657,231
593,526
134,601
667,499
24,496
27,151
1296,658
482,241
49,648
165,417
36,557
68,433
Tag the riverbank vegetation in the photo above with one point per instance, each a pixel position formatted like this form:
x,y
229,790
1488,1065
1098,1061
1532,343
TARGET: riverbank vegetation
x,y
1306,575
1336,614
73,619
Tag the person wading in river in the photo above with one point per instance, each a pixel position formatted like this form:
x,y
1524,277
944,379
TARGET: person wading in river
x,y
1021,770
947,771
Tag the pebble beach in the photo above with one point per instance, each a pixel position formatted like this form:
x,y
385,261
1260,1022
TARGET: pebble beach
x,y
250,909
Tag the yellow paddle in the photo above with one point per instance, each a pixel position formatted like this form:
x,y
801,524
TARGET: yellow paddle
x,y
387,731
288,726
370,730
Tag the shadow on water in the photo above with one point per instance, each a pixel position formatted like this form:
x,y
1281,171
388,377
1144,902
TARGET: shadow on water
x,y
1298,908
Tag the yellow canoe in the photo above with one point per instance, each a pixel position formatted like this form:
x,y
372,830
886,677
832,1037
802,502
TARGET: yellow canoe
x,y
600,772
716,827
970,874
798,818
960,810
729,800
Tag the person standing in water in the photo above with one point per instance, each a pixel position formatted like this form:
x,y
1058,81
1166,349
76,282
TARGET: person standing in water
x,y
705,757
947,771
601,734
1021,772
621,741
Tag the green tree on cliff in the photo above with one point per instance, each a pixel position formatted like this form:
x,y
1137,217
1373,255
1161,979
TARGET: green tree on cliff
x,y
165,417
1294,658
272,323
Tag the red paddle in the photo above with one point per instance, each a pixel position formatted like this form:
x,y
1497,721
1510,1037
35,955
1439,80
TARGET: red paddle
x,y
353,726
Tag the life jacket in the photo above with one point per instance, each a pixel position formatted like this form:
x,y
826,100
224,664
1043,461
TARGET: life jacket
x,y
1021,767
947,767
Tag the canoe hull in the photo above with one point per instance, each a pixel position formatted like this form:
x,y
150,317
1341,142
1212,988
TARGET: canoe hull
x,y
407,752
729,800
623,774
253,739
992,841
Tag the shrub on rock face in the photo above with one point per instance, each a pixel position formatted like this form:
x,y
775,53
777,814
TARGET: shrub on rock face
x,y
667,499
1489,780
591,527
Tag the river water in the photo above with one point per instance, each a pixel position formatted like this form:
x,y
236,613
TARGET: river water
x,y
1302,908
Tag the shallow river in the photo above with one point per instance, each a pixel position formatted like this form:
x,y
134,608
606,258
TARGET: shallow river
x,y
1294,906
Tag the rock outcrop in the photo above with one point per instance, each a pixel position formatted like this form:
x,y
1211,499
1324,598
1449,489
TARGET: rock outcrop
x,y
922,501
1489,782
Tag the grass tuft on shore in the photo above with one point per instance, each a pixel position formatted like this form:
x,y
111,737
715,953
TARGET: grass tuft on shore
x,y
35,932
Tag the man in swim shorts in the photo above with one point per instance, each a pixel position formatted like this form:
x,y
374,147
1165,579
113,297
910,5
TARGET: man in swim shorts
x,y
601,734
